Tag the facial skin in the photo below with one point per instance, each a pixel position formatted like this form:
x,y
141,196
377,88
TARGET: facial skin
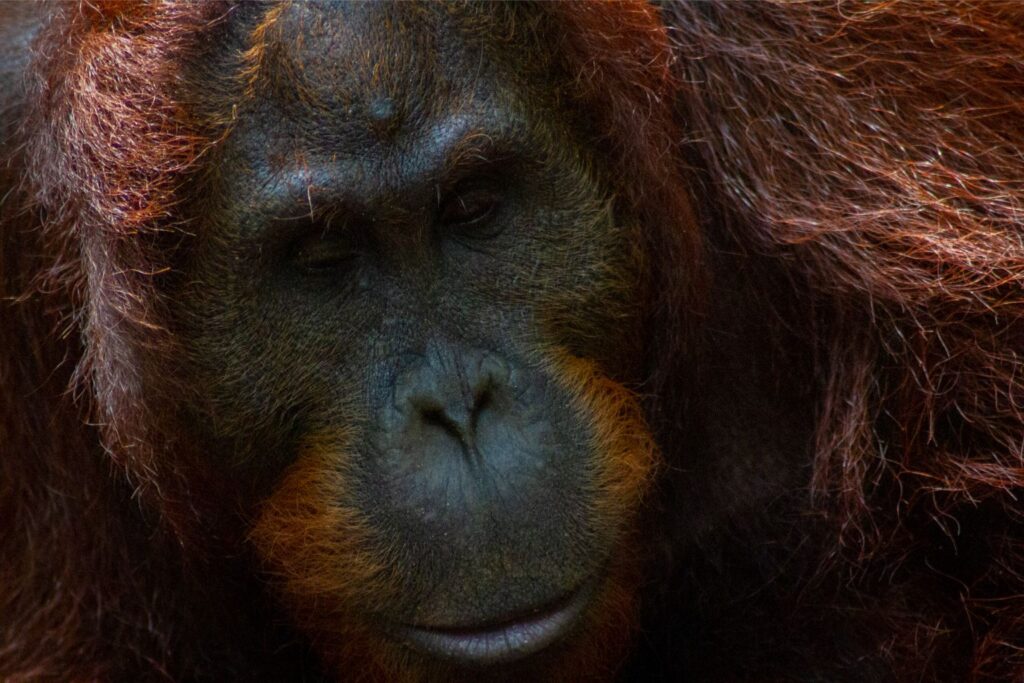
x,y
318,327
410,310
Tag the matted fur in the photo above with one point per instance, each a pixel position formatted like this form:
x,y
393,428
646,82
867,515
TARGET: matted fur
x,y
873,152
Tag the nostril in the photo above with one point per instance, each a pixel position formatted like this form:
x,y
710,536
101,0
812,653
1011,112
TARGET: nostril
x,y
437,417
482,402
450,396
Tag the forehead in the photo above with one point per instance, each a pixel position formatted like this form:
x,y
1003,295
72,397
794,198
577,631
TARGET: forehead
x,y
378,69
333,99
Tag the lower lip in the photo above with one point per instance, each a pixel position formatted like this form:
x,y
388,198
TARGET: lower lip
x,y
502,643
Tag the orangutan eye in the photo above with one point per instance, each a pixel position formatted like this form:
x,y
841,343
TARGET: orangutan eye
x,y
320,252
470,211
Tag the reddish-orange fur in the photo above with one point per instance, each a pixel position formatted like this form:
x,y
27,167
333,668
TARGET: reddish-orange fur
x,y
874,152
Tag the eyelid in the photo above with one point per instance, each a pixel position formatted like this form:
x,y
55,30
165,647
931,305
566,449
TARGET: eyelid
x,y
482,159
481,202
322,247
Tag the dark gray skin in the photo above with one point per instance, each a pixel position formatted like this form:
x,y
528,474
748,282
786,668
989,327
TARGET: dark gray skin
x,y
348,274
415,309
394,256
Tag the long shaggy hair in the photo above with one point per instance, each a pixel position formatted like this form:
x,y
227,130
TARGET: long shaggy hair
x,y
876,152
873,153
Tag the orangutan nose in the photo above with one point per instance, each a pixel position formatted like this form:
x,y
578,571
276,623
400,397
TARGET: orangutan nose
x,y
449,393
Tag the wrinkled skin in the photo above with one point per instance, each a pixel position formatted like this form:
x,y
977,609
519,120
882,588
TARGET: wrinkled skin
x,y
411,313
411,318
401,257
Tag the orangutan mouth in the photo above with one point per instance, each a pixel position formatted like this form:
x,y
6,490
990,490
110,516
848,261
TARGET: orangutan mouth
x,y
504,641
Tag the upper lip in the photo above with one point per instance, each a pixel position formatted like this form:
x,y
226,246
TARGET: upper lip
x,y
499,642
